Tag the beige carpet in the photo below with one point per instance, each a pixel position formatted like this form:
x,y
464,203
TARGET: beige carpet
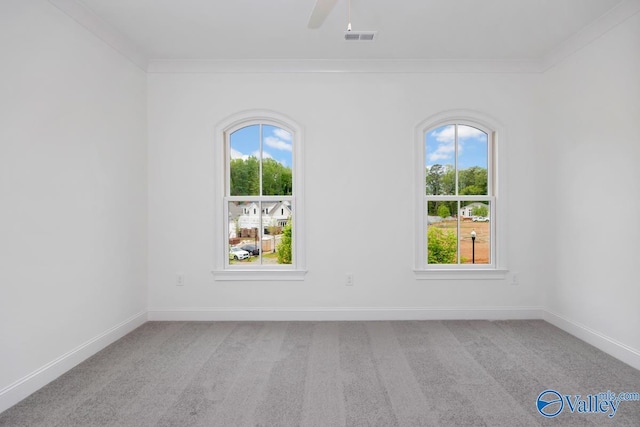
x,y
414,373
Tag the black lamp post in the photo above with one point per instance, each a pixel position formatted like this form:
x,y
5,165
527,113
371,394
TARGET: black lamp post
x,y
473,246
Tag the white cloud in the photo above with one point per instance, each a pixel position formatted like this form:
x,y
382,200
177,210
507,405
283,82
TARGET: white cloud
x,y
443,152
445,136
277,143
282,134
447,133
446,148
468,132
235,154
265,155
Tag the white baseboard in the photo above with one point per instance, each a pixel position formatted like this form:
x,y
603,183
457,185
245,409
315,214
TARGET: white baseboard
x,y
340,314
620,351
22,388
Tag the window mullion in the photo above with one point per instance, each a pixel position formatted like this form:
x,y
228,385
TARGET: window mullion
x,y
260,163
258,198
227,164
490,163
455,159
225,229
458,229
260,232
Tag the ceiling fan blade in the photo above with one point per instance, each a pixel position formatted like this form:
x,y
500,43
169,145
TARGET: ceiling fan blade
x,y
320,12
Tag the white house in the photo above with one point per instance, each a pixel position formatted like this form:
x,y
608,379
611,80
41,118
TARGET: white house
x,y
467,211
250,215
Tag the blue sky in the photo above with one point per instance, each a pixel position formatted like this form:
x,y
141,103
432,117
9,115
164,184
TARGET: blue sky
x,y
276,143
472,147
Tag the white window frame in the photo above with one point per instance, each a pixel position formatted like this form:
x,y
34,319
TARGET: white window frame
x,y
497,191
223,270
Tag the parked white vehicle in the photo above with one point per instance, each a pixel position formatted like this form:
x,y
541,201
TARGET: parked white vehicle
x,y
237,253
480,219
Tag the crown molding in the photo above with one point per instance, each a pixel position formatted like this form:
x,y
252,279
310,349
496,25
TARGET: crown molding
x,y
89,20
590,33
341,66
92,22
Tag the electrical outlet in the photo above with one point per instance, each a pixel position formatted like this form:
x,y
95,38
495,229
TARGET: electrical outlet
x,y
515,279
349,279
180,279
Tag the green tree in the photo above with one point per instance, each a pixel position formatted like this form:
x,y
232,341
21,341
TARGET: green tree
x,y
434,179
442,246
472,181
449,180
440,180
284,247
471,190
443,211
244,176
434,207
480,210
276,178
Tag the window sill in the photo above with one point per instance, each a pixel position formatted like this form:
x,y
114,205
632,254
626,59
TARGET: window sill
x,y
258,275
479,274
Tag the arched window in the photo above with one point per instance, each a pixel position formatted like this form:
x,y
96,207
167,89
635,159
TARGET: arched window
x,y
459,216
261,227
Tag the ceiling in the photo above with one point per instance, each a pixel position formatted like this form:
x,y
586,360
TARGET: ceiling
x,y
451,30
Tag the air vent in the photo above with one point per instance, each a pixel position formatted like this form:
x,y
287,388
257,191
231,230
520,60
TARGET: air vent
x,y
362,36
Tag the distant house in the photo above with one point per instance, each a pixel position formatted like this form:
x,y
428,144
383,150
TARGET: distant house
x,y
467,211
279,213
248,215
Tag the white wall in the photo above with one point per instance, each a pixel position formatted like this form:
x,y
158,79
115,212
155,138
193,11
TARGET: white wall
x,y
590,117
73,186
72,191
359,136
